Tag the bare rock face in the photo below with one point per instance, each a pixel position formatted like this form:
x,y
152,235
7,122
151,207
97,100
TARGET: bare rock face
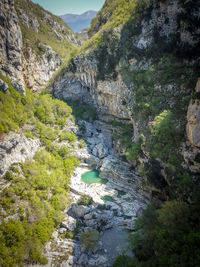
x,y
80,83
113,97
37,70
18,59
16,148
193,118
3,86
110,98
10,40
191,153
193,126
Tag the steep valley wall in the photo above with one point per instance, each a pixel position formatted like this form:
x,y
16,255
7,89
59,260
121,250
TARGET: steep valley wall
x,y
153,77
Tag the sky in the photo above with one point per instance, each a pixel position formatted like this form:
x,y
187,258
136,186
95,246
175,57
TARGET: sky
x,y
61,7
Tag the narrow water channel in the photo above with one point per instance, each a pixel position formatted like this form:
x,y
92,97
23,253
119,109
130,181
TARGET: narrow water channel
x,y
115,242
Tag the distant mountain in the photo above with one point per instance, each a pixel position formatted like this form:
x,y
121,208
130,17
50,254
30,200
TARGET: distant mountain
x,y
79,22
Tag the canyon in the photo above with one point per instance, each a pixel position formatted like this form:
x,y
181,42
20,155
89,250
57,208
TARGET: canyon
x,y
125,103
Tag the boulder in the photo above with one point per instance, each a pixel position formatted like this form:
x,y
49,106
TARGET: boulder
x,y
19,87
62,230
69,223
78,210
97,260
83,260
3,86
100,151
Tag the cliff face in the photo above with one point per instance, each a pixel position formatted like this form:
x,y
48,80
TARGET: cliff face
x,y
144,70
29,54
10,41
108,96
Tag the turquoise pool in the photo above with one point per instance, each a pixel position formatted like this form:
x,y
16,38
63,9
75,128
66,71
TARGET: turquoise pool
x,y
107,198
92,177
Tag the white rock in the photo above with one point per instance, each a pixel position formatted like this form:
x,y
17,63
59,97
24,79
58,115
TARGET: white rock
x,y
100,151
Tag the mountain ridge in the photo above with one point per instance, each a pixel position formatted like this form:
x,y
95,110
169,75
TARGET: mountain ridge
x,y
78,22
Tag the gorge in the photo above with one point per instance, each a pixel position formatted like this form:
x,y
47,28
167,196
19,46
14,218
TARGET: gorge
x,y
125,104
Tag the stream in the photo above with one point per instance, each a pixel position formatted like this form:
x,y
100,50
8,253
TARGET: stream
x,y
117,202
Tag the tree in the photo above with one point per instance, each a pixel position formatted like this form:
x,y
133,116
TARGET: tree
x,y
90,238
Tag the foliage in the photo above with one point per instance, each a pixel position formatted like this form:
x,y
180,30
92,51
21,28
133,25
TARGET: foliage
x,y
132,153
85,200
38,191
45,35
82,111
44,186
12,236
123,133
82,143
165,136
89,239
123,260
168,236
71,137
64,151
8,176
44,115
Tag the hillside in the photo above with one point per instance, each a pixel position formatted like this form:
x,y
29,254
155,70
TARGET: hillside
x,y
34,43
140,68
79,22
109,155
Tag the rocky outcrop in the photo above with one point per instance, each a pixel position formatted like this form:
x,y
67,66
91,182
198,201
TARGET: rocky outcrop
x,y
24,57
80,83
78,210
110,98
15,148
37,70
193,126
10,41
193,118
191,151
3,86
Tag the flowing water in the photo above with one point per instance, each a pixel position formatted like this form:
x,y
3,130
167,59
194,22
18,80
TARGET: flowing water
x,y
116,242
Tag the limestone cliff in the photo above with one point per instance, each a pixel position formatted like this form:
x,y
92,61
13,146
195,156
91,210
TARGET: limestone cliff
x,y
10,41
142,69
32,43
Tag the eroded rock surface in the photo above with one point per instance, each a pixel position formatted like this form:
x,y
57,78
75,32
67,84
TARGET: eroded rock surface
x,y
16,148
10,40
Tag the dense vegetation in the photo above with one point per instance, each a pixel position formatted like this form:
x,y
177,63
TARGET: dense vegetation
x,y
166,237
89,239
168,234
162,82
31,206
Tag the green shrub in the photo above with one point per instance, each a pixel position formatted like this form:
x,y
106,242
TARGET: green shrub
x,y
82,143
70,235
8,176
161,236
85,200
36,257
165,136
13,250
64,151
71,137
133,152
89,239
123,260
